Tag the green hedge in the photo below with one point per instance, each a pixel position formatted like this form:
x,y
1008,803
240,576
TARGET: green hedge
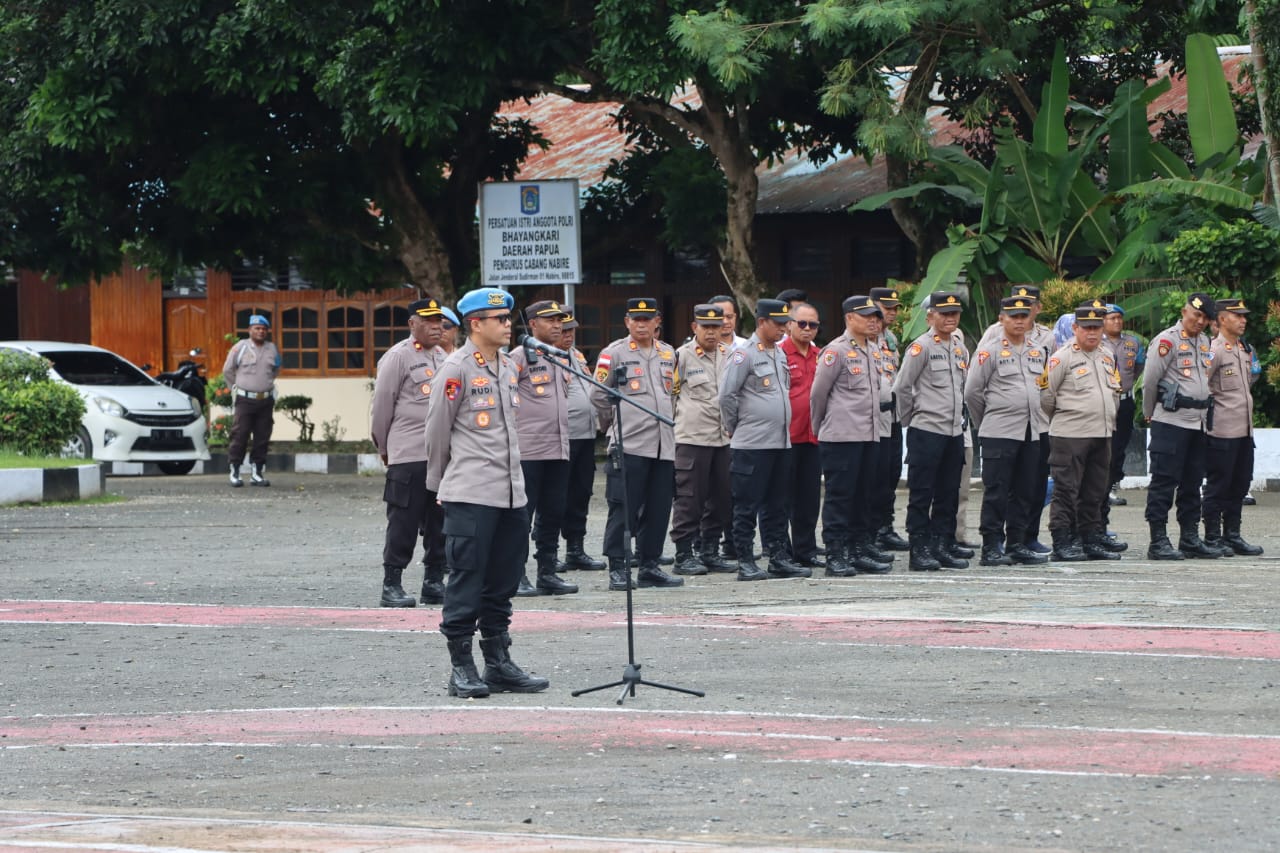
x,y
38,415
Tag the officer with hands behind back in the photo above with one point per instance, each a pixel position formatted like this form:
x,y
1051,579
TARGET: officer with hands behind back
x,y
473,452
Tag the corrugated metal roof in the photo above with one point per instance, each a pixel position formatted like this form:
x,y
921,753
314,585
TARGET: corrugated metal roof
x,y
585,139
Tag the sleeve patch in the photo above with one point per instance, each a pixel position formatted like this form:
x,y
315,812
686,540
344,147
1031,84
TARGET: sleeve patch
x,y
1164,347
451,388
916,349
829,358
983,355
739,356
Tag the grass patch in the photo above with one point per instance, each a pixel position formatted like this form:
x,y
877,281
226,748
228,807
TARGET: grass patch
x,y
100,500
9,459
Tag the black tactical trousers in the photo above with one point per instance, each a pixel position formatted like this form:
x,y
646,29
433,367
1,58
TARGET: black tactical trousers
x,y
1008,486
848,467
884,486
1120,438
1041,489
582,476
1229,464
485,548
934,461
806,498
650,484
546,483
251,417
1177,466
759,480
412,511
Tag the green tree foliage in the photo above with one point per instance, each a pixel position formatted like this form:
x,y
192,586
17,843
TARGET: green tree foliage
x,y
179,133
38,414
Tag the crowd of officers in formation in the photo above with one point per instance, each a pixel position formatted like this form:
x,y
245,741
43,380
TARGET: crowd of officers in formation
x,y
490,442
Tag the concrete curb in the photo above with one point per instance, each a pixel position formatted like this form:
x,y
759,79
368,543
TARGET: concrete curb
x,y
37,485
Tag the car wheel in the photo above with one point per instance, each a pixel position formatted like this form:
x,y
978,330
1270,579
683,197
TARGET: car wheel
x,y
79,446
181,466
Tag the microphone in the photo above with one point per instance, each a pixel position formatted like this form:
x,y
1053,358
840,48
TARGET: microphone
x,y
529,342
532,344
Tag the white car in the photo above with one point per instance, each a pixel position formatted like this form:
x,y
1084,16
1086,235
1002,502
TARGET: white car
x,y
129,417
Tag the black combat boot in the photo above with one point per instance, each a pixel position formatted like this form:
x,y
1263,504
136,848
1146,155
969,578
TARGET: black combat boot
x,y
864,560
1232,539
957,550
686,562
650,576
992,553
838,562
730,550
501,673
550,583
393,595
1161,548
1018,552
1096,546
236,482
887,539
748,568
464,681
782,566
868,547
433,585
259,476
1065,549
526,589
576,559
921,555
1115,543
711,558
945,550
1213,537
1191,545
619,575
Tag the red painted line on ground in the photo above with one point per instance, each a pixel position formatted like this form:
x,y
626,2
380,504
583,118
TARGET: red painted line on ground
x,y
760,736
1115,639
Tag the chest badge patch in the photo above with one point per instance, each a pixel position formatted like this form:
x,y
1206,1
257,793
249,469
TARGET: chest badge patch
x,y
482,419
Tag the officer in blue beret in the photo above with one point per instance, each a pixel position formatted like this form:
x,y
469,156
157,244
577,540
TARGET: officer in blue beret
x,y
449,336
473,465
250,372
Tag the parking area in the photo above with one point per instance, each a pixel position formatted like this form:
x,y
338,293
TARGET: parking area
x,y
198,668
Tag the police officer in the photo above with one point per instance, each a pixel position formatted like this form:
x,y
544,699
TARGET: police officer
x,y
642,368
844,405
1175,401
702,507
756,410
1079,392
544,444
582,456
889,458
473,453
701,510
1130,355
1003,397
250,371
401,393
930,397
1229,457
449,337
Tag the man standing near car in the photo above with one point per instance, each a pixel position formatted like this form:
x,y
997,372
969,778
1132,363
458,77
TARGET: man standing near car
x,y
401,393
250,372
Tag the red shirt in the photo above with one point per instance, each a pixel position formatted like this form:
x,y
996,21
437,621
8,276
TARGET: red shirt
x,y
802,368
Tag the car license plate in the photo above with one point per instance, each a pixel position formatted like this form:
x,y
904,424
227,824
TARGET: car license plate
x,y
167,434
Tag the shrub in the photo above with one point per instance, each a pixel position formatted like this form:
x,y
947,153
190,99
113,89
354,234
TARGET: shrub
x,y
38,415
295,408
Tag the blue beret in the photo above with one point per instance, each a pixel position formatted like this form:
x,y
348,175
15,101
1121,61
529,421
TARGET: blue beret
x,y
485,299
1113,308
259,320
450,316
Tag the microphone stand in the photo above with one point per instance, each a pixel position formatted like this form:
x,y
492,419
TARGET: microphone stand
x,y
631,674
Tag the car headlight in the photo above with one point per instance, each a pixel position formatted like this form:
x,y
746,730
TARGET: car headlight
x,y
196,408
110,407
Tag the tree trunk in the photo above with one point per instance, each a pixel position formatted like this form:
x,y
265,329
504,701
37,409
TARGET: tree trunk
x,y
915,103
418,244
1258,38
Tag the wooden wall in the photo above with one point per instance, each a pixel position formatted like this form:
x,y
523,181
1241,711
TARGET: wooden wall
x,y
127,312
49,313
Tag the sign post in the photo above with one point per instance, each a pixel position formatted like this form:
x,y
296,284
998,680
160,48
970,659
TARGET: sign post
x,y
530,234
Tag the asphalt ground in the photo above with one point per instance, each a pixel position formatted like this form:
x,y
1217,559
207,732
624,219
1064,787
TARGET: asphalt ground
x,y
197,668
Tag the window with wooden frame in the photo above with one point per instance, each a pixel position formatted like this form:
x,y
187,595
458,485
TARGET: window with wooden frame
x,y
390,325
327,339
298,338
345,337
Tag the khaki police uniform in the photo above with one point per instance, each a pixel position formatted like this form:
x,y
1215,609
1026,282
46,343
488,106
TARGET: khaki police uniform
x,y
1079,394
250,371
1130,356
930,398
1003,397
702,509
844,406
473,453
1177,439
645,375
1230,445
401,394
755,407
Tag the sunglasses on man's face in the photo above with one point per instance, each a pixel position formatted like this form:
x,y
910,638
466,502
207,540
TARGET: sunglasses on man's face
x,y
807,324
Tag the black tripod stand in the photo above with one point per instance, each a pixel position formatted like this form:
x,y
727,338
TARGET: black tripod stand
x,y
631,674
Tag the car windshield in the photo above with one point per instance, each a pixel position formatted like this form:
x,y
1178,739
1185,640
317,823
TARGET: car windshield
x,y
85,367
